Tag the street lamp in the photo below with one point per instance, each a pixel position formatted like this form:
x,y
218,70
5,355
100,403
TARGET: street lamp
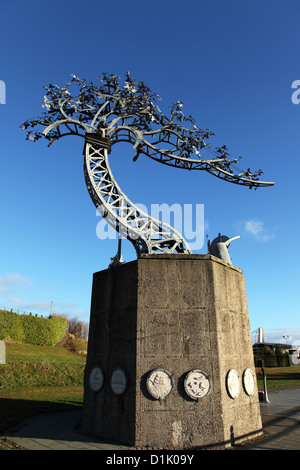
x,y
286,338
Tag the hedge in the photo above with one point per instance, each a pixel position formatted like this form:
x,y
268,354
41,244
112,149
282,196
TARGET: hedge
x,y
31,329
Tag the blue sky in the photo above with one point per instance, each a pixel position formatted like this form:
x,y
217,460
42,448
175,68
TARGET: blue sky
x,y
231,63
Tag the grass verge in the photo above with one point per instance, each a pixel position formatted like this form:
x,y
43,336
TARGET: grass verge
x,y
18,406
278,377
18,352
35,380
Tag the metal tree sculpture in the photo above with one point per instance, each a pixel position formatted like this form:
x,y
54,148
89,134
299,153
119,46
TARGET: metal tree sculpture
x,y
108,113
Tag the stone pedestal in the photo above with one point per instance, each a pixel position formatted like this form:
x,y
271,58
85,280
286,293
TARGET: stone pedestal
x,y
170,361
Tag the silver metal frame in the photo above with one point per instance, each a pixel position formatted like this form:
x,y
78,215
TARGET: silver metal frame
x,y
147,234
107,114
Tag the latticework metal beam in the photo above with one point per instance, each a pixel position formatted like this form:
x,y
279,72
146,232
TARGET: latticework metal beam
x,y
147,234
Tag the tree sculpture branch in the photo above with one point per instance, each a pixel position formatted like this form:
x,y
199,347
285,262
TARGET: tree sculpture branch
x,y
130,113
109,113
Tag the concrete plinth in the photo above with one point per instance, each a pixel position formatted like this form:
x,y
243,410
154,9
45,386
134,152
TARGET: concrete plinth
x,y
178,313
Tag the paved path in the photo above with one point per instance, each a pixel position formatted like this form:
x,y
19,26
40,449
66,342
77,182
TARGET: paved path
x,y
57,431
60,431
281,422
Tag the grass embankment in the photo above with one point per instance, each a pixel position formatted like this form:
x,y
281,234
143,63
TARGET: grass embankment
x,y
38,379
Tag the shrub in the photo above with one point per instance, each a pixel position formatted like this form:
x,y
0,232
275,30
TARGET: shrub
x,y
58,328
31,329
76,344
11,326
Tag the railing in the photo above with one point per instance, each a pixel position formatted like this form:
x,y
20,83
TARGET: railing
x,y
20,312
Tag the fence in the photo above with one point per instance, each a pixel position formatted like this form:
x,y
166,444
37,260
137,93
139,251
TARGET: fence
x,y
19,312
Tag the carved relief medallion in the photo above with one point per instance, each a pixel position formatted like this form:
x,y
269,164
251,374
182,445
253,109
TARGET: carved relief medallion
x,y
233,383
160,383
249,382
197,384
96,379
118,381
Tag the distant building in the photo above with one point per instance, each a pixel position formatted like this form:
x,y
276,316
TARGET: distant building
x,y
259,336
274,354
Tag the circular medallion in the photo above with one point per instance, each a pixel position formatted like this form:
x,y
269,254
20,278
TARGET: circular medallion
x,y
160,383
197,384
233,383
249,381
96,379
118,381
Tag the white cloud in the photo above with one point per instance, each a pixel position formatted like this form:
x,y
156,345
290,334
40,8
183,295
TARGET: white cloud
x,y
81,314
289,335
12,287
13,281
44,306
256,229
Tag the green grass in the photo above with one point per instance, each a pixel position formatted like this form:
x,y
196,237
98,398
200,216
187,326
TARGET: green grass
x,y
38,379
17,352
278,376
17,406
31,367
28,375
